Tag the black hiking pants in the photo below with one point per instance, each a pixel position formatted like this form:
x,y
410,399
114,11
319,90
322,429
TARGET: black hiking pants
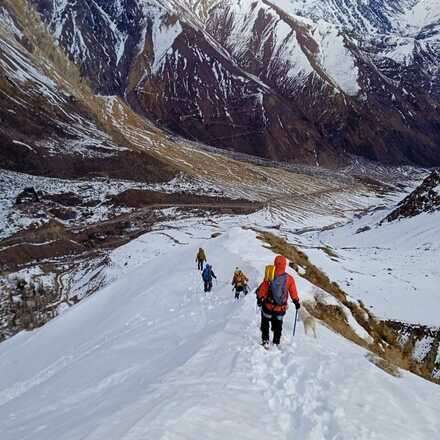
x,y
200,264
238,290
208,286
276,321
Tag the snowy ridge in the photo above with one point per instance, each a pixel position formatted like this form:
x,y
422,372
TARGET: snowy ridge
x,y
59,19
402,25
285,45
126,373
290,41
163,39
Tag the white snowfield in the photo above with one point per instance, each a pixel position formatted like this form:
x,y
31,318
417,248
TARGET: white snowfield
x,y
152,357
393,268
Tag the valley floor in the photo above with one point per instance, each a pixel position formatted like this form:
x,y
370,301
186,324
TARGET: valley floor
x,y
152,357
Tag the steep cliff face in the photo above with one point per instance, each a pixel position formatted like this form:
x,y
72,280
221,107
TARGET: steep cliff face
x,y
101,37
304,81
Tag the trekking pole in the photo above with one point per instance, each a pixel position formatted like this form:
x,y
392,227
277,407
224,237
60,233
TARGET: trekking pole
x,y
294,325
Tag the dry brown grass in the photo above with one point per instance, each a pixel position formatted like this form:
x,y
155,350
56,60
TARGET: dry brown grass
x,y
384,365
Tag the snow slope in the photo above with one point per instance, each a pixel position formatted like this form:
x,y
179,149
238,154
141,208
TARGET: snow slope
x,y
152,357
391,267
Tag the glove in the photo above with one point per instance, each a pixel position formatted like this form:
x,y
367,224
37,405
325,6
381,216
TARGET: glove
x,y
259,302
297,305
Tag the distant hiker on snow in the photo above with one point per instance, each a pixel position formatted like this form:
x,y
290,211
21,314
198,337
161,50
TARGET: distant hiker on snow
x,y
272,296
200,258
207,276
239,281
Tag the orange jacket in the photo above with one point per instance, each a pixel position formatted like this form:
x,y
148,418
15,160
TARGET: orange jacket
x,y
240,279
263,290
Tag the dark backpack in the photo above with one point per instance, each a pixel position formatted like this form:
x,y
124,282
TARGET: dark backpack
x,y
278,293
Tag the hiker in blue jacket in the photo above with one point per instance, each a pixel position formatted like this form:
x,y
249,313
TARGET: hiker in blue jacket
x,y
207,276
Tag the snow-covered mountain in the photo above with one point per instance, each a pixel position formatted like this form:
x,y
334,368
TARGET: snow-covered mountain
x,y
310,81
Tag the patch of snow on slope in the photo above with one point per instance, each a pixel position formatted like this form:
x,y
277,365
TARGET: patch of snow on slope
x,y
281,36
80,49
59,17
8,24
401,50
164,35
120,37
424,13
290,50
325,298
336,60
19,66
359,16
422,348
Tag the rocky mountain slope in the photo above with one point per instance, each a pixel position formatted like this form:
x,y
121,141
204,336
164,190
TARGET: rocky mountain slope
x,y
49,123
424,199
305,81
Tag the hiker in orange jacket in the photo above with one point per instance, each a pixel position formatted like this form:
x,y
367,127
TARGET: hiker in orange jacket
x,y
239,281
272,297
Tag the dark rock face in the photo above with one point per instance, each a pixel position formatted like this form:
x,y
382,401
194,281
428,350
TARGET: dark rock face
x,y
426,198
133,198
101,36
253,78
28,195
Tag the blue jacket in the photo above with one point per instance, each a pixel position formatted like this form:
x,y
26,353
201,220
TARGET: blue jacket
x,y
208,274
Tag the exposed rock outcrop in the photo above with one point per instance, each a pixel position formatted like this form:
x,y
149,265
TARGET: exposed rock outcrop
x,y
424,199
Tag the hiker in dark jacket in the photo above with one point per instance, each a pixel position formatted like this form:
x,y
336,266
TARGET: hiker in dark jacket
x,y
207,276
200,258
